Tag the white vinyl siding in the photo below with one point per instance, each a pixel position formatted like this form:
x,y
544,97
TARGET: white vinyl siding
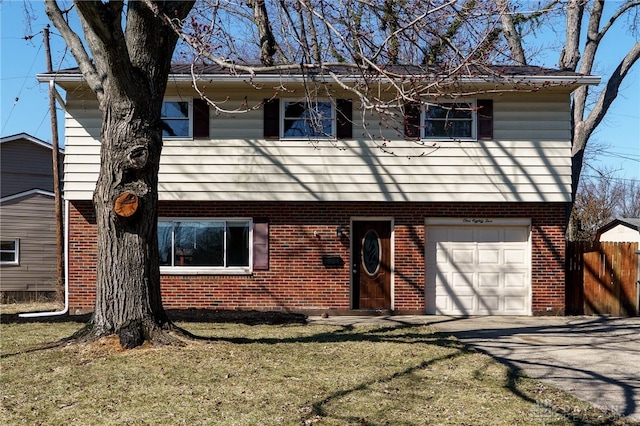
x,y
528,159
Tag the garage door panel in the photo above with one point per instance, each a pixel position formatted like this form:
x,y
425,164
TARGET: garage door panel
x,y
488,304
461,281
516,279
478,270
490,256
462,256
489,279
461,304
514,305
514,256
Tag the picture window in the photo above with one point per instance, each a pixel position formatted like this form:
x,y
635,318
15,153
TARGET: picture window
x,y
216,244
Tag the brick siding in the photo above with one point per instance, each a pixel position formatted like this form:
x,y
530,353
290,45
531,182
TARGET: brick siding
x,y
297,280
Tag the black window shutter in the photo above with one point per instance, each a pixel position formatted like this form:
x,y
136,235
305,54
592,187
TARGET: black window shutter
x,y
344,119
260,243
200,119
485,118
271,118
412,120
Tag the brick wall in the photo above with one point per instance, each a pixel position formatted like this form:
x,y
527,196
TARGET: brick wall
x,y
296,278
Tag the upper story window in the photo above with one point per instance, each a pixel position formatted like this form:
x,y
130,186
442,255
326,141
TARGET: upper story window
x,y
303,120
176,119
185,119
9,252
207,244
454,120
450,120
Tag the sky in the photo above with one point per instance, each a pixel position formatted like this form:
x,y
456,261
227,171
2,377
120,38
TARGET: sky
x,y
25,102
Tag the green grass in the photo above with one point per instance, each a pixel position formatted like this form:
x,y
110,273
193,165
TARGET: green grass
x,y
272,375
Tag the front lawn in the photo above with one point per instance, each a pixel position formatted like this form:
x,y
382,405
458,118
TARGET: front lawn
x,y
272,374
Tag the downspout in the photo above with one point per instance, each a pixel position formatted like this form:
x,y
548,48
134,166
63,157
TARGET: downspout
x,y
66,274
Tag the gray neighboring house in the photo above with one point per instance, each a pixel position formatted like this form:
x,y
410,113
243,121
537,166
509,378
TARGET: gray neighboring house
x,y
27,219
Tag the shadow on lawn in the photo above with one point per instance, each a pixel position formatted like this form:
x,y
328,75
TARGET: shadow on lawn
x,y
400,333
186,315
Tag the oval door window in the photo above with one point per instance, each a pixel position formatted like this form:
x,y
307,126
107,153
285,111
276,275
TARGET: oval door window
x,y
371,252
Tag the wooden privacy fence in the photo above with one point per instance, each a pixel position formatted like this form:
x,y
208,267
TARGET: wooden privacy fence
x,y
602,278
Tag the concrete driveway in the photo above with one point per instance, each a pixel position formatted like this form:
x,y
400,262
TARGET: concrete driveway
x,y
596,359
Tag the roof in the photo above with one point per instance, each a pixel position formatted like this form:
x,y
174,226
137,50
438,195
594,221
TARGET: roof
x,y
476,74
27,137
26,194
630,222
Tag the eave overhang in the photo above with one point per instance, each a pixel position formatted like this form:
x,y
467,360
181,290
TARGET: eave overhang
x,y
550,78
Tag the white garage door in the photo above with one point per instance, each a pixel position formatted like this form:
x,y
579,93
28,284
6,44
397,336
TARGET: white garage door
x,y
478,267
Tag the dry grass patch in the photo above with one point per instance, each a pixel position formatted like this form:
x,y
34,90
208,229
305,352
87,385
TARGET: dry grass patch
x,y
17,308
270,375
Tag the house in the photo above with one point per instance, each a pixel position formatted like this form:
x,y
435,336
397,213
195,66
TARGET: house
x,y
27,219
275,200
626,230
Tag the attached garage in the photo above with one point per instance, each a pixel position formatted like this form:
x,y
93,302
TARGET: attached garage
x,y
478,266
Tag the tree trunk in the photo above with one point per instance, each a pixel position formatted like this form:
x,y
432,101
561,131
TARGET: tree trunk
x,y
128,72
128,301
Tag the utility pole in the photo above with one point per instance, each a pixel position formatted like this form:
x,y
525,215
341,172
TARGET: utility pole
x,y
56,173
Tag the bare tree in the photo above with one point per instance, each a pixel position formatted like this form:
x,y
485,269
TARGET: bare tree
x,y
586,118
579,54
595,205
630,199
127,69
602,198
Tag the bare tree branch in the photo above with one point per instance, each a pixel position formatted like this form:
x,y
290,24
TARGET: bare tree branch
x,y
76,47
570,55
607,97
510,33
268,44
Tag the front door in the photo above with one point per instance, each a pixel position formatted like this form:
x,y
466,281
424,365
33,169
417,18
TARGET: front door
x,y
371,266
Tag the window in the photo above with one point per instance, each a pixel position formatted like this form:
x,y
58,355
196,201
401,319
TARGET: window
x,y
462,120
450,120
176,119
9,250
197,244
303,119
184,119
291,119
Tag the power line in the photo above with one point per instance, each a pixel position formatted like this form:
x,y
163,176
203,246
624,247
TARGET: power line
x,y
611,178
17,98
623,156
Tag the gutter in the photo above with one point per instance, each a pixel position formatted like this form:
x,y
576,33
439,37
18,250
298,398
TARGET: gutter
x,y
299,78
66,275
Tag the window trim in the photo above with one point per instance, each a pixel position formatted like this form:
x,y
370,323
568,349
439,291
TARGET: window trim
x,y
15,251
282,118
210,270
473,104
189,101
